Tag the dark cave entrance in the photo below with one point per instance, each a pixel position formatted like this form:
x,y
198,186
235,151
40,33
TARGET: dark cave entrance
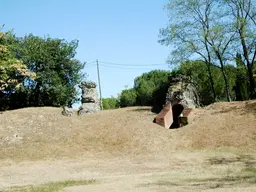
x,y
177,109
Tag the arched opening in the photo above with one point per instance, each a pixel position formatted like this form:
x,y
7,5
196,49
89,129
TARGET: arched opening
x,y
176,111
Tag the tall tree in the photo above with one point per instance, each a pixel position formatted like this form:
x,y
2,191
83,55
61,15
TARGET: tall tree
x,y
196,28
220,37
58,72
243,13
187,32
12,72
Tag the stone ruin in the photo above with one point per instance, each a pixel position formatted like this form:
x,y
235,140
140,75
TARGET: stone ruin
x,y
182,91
90,101
181,98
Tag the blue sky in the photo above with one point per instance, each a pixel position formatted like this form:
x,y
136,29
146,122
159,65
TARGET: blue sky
x,y
116,31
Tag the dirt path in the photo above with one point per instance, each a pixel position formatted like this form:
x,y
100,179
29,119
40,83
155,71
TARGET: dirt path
x,y
181,171
143,184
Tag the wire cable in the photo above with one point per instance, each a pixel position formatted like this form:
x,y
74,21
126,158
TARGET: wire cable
x,y
90,62
119,64
124,67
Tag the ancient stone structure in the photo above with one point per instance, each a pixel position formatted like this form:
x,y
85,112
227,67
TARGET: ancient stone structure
x,y
181,98
182,91
90,101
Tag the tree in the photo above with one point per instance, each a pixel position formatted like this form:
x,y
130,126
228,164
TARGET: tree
x,y
128,98
187,32
149,90
197,29
219,39
58,72
12,73
197,70
110,103
244,18
241,87
148,83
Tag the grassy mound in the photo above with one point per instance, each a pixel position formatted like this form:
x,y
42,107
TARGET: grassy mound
x,y
42,133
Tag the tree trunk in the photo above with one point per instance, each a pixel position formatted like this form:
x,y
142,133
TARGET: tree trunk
x,y
242,84
226,84
211,80
252,83
224,76
208,63
248,63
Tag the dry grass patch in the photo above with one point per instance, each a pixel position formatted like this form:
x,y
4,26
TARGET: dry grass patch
x,y
43,133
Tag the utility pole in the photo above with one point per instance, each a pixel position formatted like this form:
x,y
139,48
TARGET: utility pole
x,y
98,71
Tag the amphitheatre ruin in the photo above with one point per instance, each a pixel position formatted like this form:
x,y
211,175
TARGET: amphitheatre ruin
x,y
123,150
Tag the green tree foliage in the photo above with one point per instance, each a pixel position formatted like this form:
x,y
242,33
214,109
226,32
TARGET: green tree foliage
x,y
12,73
57,71
198,71
149,90
149,87
110,103
128,97
200,28
242,13
241,87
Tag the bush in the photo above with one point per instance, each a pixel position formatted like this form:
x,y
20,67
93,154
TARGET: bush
x,y
128,97
110,103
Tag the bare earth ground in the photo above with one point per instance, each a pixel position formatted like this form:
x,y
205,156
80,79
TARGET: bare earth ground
x,y
124,151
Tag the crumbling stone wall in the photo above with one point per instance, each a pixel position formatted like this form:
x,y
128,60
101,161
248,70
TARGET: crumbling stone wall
x,y
90,101
182,91
183,97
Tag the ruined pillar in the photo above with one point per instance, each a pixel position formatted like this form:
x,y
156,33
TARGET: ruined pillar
x,y
90,101
181,98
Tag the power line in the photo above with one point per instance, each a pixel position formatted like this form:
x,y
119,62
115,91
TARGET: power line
x,y
88,63
88,66
123,67
119,64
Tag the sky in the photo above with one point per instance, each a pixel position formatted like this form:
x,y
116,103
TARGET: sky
x,y
121,34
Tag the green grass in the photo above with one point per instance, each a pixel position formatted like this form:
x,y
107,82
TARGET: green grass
x,y
251,170
50,187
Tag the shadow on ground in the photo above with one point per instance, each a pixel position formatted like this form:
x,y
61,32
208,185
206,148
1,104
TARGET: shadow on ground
x,y
230,178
